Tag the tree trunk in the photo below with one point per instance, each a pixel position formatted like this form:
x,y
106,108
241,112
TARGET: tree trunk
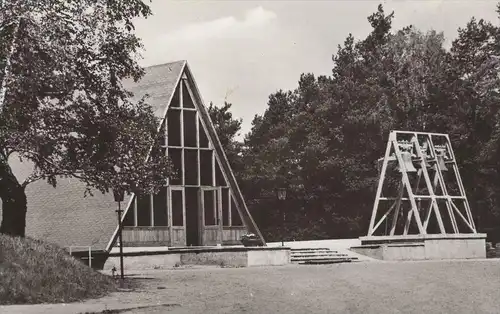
x,y
14,203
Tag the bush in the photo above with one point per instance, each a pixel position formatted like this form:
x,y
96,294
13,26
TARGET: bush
x,y
32,271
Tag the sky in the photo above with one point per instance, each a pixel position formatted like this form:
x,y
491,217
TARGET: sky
x,y
243,51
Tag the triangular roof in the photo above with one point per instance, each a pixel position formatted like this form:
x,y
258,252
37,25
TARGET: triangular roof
x,y
152,85
65,217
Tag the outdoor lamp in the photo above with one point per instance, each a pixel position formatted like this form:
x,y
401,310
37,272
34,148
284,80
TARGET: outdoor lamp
x,y
119,194
281,193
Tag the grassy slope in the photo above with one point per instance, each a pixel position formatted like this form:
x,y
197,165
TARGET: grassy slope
x,y
32,271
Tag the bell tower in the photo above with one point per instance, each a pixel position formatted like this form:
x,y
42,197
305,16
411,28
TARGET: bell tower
x,y
421,210
420,190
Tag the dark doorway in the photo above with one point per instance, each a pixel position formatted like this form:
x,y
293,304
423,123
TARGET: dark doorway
x,y
192,221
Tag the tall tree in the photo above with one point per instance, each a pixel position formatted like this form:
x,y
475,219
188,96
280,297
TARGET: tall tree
x,y
64,108
327,134
475,57
228,128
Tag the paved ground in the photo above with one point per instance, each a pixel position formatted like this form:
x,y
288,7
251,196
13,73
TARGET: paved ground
x,y
365,287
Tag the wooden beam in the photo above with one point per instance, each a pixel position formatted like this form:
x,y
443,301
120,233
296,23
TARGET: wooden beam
x,y
201,216
462,216
436,207
169,218
152,209
428,213
198,164
398,207
460,183
219,214
183,191
430,187
444,197
408,221
406,182
384,217
379,188
229,199
135,211
443,188
214,176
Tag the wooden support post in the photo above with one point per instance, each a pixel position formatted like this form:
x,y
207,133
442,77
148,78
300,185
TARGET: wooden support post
x,y
214,176
219,215
152,210
408,221
460,183
184,208
380,186
406,182
169,216
436,207
229,200
443,187
462,216
384,217
398,207
427,179
198,164
181,104
134,204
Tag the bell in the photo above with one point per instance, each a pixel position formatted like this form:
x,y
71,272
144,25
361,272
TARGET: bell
x,y
440,153
440,161
408,164
425,156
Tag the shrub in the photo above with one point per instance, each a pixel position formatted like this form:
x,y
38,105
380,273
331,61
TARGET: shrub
x,y
32,271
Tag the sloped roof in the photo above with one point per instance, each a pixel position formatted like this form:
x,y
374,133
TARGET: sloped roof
x,y
159,83
63,215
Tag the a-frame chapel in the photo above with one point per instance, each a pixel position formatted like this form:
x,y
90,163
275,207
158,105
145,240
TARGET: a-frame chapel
x,y
203,206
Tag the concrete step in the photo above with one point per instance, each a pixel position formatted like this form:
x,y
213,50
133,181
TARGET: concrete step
x,y
328,261
312,252
312,249
320,256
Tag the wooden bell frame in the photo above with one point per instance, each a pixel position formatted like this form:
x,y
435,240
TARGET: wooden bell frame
x,y
438,206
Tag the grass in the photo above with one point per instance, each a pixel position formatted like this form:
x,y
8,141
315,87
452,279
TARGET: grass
x,y
32,271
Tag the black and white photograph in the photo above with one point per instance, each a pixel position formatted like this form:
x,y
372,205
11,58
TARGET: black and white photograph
x,y
247,156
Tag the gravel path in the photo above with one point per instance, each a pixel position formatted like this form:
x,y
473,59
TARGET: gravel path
x,y
365,287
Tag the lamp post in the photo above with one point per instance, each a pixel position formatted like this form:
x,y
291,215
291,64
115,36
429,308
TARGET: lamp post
x,y
281,194
119,194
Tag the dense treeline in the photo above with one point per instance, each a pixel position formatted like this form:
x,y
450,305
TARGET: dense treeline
x,y
320,140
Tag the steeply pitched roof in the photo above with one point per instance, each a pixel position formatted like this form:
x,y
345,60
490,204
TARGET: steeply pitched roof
x,y
63,215
159,83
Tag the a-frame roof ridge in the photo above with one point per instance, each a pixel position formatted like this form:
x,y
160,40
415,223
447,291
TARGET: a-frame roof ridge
x,y
165,64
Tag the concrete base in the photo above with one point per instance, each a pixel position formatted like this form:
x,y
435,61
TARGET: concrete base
x,y
423,247
221,256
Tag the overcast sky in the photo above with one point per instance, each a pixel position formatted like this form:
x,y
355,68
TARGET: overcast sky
x,y
243,51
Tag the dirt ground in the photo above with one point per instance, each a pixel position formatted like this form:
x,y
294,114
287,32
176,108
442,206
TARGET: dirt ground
x,y
367,287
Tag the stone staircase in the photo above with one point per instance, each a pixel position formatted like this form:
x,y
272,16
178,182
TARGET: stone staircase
x,y
319,256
